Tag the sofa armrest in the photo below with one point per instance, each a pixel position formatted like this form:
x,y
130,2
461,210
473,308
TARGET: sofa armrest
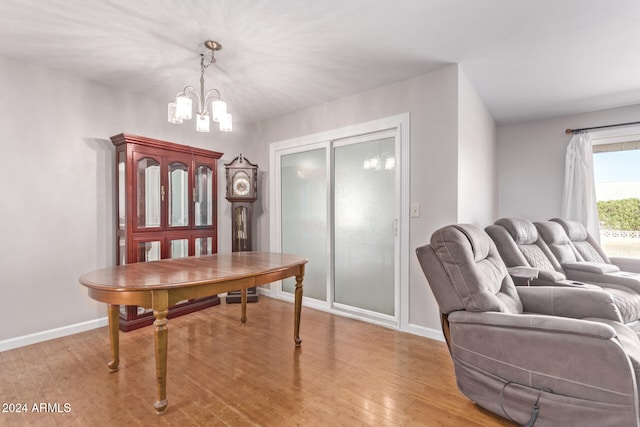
x,y
537,322
550,276
523,275
523,272
631,265
563,283
591,267
569,302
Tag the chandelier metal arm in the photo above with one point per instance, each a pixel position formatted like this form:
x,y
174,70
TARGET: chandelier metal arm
x,y
211,95
208,97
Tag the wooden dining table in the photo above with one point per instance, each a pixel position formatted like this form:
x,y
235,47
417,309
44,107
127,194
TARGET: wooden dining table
x,y
158,285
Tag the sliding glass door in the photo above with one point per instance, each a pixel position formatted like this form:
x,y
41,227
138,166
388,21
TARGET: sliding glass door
x,y
338,204
303,195
364,212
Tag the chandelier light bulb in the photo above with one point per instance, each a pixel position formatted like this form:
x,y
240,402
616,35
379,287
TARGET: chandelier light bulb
x,y
226,123
218,109
184,107
202,122
172,115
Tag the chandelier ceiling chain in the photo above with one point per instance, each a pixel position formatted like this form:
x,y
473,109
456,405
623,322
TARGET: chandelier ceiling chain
x,y
180,109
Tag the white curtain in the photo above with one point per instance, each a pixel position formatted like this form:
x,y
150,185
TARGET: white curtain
x,y
579,196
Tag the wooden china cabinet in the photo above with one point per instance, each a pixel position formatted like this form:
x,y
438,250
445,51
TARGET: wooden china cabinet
x,y
166,208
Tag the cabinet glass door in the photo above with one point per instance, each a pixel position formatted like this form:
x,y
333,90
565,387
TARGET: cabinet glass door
x,y
179,248
204,246
148,192
204,196
122,211
122,191
178,194
148,251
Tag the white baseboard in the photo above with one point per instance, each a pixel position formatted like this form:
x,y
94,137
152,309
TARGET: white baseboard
x,y
264,290
434,334
24,340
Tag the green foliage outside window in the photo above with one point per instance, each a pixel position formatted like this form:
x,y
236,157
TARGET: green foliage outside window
x,y
623,214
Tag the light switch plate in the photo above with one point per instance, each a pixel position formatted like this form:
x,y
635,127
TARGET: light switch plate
x,y
415,210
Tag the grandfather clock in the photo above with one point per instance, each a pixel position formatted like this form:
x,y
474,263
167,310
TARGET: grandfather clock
x,y
242,191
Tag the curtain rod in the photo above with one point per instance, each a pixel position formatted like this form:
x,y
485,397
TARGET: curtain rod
x,y
601,127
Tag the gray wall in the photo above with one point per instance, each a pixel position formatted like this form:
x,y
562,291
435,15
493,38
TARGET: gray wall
x,y
531,159
433,102
57,186
477,157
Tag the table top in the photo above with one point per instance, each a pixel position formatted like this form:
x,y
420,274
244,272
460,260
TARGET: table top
x,y
189,271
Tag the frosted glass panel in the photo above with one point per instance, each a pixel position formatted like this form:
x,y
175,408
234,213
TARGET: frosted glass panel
x,y
304,217
364,221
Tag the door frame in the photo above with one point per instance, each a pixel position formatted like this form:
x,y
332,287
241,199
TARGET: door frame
x,y
400,123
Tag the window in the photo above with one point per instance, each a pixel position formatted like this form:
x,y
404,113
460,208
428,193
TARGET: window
x,y
617,179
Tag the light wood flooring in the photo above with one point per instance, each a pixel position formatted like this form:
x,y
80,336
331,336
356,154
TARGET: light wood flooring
x,y
225,373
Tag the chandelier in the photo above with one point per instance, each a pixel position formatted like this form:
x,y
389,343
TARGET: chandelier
x,y
181,108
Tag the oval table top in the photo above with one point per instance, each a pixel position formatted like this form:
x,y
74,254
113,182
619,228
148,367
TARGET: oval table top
x,y
189,271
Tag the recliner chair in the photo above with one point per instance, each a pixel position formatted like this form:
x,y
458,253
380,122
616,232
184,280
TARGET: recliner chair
x,y
539,368
520,245
576,267
590,249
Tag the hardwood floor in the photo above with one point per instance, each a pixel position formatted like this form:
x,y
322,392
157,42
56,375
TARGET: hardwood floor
x,y
225,373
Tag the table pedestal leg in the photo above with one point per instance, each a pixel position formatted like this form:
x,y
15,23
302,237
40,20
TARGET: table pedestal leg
x,y
243,302
114,336
160,311
298,307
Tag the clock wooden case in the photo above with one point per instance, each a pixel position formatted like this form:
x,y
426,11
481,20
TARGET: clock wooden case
x,y
166,208
242,180
242,191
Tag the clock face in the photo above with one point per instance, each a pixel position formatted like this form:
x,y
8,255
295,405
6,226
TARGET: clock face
x,y
241,187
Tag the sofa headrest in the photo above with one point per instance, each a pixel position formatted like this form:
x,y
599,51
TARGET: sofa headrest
x,y
480,242
471,266
522,230
574,229
552,233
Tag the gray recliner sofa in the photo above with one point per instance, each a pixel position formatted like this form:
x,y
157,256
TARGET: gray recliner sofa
x,y
530,354
520,242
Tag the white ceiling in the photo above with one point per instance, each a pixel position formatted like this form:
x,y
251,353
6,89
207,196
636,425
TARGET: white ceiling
x,y
527,59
